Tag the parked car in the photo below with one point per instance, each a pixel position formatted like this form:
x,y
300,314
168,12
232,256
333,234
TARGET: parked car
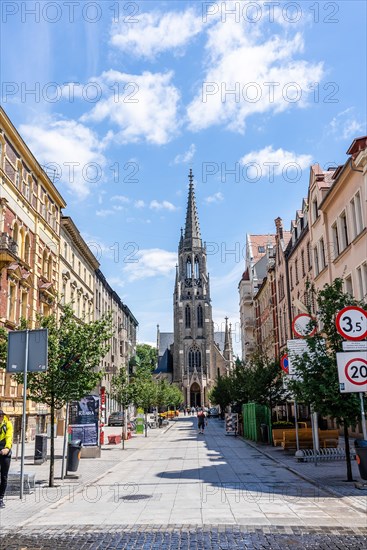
x,y
213,411
116,419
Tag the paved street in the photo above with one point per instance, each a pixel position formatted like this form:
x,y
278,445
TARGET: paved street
x,y
178,489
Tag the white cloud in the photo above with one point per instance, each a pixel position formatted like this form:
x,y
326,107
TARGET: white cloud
x,y
156,32
268,162
217,197
345,125
72,147
139,204
120,198
143,107
151,263
187,156
164,205
104,213
243,59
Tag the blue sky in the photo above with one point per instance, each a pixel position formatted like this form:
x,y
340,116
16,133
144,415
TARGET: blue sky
x,y
129,95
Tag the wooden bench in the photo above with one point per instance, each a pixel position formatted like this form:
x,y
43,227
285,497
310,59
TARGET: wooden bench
x,y
327,439
277,433
14,482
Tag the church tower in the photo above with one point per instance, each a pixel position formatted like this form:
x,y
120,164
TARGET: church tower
x,y
193,365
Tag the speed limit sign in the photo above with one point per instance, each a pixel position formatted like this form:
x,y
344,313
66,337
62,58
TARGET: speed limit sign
x,y
351,323
352,371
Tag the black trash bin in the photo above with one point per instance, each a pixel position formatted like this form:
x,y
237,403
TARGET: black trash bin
x,y
74,452
361,452
264,430
40,449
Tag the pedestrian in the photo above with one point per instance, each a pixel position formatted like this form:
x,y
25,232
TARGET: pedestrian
x,y
192,410
201,420
185,411
6,442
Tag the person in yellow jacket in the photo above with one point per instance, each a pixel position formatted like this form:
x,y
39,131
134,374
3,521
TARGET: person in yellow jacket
x,y
6,442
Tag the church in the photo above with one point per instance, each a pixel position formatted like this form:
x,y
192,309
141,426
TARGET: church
x,y
193,355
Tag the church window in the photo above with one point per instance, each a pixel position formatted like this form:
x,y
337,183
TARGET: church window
x,y
200,316
188,268
196,268
194,359
187,317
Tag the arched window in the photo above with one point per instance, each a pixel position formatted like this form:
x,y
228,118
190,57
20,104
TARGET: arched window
x,y
49,268
21,244
194,359
16,233
188,268
187,317
196,268
27,250
44,263
200,316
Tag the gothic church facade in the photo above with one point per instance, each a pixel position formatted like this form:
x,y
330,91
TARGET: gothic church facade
x,y
194,354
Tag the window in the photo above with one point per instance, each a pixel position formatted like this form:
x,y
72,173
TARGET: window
x,y
11,302
356,213
79,268
27,250
303,263
348,285
44,263
196,268
49,268
344,230
188,268
291,276
194,359
200,316
336,244
362,280
261,249
24,304
296,271
66,251
316,258
315,209
72,260
322,255
187,317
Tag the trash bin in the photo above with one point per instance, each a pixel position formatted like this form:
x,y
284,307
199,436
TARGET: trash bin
x,y
264,430
361,452
40,449
74,452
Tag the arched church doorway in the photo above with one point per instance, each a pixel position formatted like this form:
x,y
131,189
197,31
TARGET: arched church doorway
x,y
195,395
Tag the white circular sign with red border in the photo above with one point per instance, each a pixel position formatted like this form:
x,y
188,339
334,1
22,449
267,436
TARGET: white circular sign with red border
x,y
301,326
351,323
356,371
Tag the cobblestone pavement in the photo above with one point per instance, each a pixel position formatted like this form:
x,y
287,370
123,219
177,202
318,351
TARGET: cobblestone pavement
x,y
179,537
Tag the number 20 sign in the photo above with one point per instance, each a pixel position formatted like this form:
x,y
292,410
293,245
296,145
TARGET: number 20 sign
x,y
352,371
351,323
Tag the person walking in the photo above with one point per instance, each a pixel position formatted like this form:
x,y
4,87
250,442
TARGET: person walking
x,y
6,442
201,420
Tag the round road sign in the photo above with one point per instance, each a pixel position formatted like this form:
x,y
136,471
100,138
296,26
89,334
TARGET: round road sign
x,y
356,371
300,326
351,323
284,363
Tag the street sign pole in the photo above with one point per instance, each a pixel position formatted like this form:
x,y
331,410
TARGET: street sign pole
x,y
363,417
296,423
24,418
63,472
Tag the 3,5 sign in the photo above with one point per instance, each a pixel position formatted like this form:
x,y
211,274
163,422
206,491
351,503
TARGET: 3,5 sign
x,y
352,371
351,323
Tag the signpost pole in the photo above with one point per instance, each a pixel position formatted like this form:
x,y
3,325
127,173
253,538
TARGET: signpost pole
x,y
296,423
65,439
24,418
363,417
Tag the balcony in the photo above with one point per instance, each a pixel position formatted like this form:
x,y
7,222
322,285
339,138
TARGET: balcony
x,y
8,250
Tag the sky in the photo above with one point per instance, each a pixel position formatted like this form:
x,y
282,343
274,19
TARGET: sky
x,y
118,100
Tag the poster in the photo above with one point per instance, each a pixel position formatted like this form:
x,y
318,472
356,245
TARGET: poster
x,y
84,420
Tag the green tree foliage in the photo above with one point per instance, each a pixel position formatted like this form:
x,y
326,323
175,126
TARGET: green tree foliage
x,y
74,353
147,355
3,347
122,392
144,391
318,382
168,395
222,394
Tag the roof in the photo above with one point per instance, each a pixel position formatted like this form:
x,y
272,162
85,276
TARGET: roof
x,y
256,241
165,363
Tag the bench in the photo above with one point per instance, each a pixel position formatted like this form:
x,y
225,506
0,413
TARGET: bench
x,y
277,433
114,439
327,439
14,482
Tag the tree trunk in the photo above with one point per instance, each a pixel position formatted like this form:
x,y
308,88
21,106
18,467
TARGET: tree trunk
x,y
146,425
347,452
52,451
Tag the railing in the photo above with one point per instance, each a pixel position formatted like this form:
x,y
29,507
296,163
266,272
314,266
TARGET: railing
x,y
7,243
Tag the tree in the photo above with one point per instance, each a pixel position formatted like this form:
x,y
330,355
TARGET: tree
x,y
74,353
260,381
318,382
3,347
222,393
144,391
122,392
147,355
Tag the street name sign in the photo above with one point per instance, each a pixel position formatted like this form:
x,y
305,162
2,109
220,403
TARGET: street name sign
x,y
352,371
301,326
351,323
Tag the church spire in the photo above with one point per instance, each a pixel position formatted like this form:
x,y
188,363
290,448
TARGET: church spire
x,y
228,348
192,229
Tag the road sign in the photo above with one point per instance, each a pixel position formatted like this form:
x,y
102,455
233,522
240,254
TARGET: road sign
x,y
296,348
354,346
301,326
284,363
352,371
37,350
351,323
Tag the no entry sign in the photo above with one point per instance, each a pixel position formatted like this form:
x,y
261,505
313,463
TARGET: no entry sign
x,y
301,326
351,323
352,371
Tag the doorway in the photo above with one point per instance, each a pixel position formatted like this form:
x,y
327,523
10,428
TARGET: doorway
x,y
195,395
